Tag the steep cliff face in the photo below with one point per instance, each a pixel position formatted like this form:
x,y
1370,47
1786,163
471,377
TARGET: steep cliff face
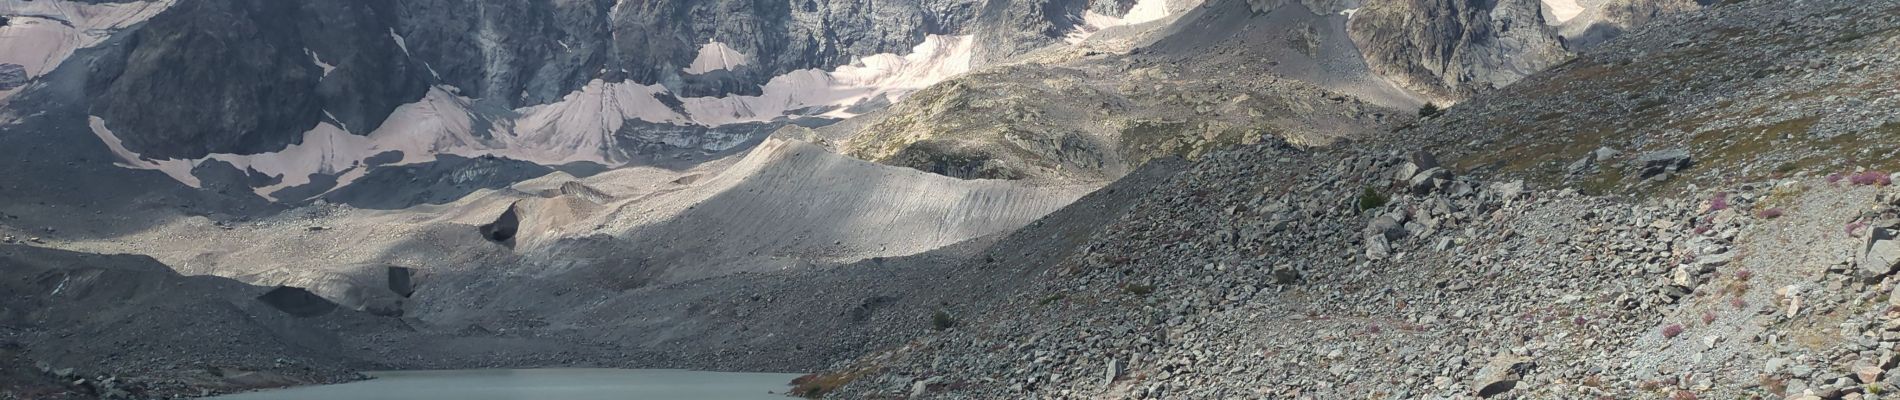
x,y
1601,20
1448,49
246,76
284,70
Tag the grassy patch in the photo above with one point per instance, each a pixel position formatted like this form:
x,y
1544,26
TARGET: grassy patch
x,y
1370,199
815,386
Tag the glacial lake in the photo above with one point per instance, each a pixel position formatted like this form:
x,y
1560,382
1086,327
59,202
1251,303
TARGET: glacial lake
x,y
541,384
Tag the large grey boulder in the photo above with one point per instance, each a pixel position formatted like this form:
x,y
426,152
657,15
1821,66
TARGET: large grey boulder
x,y
1664,162
1428,180
1386,226
1500,375
1880,252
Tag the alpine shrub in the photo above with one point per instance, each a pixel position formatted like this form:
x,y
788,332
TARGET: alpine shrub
x,y
1671,331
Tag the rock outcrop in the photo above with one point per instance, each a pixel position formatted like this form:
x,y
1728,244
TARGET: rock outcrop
x,y
1450,49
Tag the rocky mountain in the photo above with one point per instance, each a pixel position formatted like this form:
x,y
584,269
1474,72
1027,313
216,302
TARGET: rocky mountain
x,y
322,87
953,198
1710,222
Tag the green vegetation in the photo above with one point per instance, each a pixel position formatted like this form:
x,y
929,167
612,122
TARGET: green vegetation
x,y
1429,110
1371,199
815,386
942,320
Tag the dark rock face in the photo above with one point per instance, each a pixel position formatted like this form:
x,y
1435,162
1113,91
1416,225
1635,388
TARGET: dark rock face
x,y
11,75
284,67
297,302
401,281
657,39
505,226
165,99
1449,49
510,52
1014,27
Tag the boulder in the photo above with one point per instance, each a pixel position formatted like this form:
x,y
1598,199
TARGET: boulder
x,y
1867,372
1664,162
1507,190
1415,163
1428,180
1423,159
1387,227
401,281
1606,154
1581,166
1500,374
1377,247
1880,252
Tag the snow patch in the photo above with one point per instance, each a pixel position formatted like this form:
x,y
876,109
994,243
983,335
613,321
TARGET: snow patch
x,y
179,170
1562,10
937,58
715,56
320,64
581,126
400,42
42,34
1144,11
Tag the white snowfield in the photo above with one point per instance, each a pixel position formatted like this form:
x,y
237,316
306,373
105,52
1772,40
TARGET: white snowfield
x,y
579,128
1144,11
1562,10
715,56
43,33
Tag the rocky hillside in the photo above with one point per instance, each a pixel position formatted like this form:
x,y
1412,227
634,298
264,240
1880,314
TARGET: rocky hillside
x,y
324,91
1194,82
1379,271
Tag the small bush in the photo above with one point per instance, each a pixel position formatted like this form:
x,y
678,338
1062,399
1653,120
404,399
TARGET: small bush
x,y
1138,289
1853,229
814,386
1429,110
1370,199
942,321
1774,386
1871,178
1719,202
1671,331
1771,213
1050,300
1738,303
1708,317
